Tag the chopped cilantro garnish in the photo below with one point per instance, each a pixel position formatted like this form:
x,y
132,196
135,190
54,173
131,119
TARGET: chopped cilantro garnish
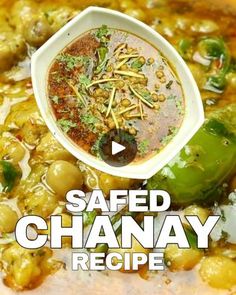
x,y
102,32
171,97
145,94
9,174
66,125
96,146
84,80
143,147
72,61
173,129
57,78
179,106
137,64
165,140
89,120
55,99
107,85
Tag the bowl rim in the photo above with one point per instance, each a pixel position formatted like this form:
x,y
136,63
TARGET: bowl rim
x,y
193,112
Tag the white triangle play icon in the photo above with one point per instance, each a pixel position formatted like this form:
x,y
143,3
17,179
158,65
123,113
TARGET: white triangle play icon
x,y
116,148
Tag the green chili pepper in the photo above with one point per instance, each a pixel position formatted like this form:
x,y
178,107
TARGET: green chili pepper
x,y
198,172
218,128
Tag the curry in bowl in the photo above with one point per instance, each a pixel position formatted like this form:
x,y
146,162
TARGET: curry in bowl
x,y
36,171
109,79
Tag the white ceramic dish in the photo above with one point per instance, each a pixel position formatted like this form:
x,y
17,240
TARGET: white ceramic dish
x,y
94,17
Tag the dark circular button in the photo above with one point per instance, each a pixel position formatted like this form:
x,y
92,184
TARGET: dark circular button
x,y
117,148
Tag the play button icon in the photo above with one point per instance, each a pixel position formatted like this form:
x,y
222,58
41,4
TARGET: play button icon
x,y
117,148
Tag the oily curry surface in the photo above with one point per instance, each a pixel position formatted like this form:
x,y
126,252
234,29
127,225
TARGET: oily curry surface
x,y
111,79
36,171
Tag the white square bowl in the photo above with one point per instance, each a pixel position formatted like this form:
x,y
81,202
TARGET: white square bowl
x,y
94,17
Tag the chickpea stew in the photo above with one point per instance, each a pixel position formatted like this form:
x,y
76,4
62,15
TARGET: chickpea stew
x,y
109,79
36,171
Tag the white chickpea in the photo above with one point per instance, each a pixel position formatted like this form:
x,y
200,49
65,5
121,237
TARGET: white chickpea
x,y
3,19
63,176
219,272
22,115
21,12
24,268
12,49
57,18
6,56
182,259
37,30
202,213
231,79
109,182
136,248
8,219
90,175
51,150
16,152
41,203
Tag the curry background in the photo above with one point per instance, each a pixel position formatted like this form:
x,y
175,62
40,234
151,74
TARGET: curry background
x,y
176,20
